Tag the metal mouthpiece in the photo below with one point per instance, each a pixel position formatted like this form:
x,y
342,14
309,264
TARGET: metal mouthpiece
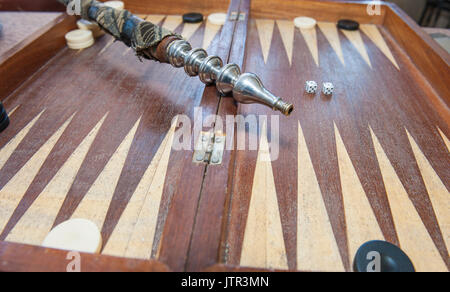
x,y
246,88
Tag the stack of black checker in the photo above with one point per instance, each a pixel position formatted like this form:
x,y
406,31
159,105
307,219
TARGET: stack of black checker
x,y
4,120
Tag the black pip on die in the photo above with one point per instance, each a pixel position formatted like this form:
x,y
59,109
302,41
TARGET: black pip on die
x,y
328,88
311,86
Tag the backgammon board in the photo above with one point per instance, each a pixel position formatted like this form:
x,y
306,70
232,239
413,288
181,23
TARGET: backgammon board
x,y
92,131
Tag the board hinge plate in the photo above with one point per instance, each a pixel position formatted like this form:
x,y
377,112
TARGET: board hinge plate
x,y
235,16
209,148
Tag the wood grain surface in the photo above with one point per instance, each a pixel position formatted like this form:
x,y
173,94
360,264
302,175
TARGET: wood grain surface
x,y
92,130
27,258
137,6
90,160
375,89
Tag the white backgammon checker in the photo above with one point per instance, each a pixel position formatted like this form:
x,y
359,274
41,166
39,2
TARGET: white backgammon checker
x,y
80,39
115,4
303,22
75,235
217,18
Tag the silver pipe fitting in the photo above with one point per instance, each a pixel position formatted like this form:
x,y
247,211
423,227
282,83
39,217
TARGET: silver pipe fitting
x,y
246,88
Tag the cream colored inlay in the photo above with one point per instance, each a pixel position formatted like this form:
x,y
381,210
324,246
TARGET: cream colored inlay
x,y
13,192
317,249
172,22
330,31
310,36
412,234
265,31
38,220
371,30
355,38
438,193
95,203
135,232
286,28
9,148
263,244
362,225
210,32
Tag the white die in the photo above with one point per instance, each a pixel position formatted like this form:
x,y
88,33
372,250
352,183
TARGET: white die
x,y
311,86
328,88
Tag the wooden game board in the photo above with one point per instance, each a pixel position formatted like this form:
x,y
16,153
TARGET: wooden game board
x,y
91,137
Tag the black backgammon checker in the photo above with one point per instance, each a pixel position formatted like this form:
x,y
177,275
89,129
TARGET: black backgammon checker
x,y
389,257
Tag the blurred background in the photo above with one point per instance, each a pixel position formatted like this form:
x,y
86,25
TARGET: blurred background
x,y
431,13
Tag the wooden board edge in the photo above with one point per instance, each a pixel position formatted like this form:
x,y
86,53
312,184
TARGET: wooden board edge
x,y
431,60
136,6
26,5
222,268
27,57
16,257
394,9
323,10
29,40
177,6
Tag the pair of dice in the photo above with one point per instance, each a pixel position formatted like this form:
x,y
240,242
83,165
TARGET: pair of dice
x,y
327,87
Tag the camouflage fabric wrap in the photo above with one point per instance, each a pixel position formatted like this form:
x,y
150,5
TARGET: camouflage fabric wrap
x,y
136,33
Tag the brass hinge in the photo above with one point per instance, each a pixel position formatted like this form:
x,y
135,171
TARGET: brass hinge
x,y
210,147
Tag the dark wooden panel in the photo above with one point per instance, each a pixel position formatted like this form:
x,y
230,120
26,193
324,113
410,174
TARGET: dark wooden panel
x,y
26,258
35,5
